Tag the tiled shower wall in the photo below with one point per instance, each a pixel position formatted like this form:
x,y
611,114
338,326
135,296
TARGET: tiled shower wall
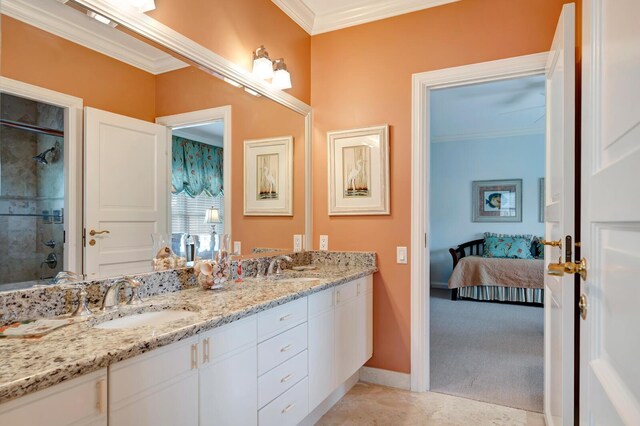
x,y
29,188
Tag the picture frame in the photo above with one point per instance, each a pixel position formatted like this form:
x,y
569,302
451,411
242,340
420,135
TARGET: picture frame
x,y
268,176
542,200
497,200
359,171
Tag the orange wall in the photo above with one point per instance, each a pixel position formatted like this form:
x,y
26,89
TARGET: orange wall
x,y
361,76
190,89
40,58
235,28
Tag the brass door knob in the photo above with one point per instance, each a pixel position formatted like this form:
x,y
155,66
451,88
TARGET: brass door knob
x,y
93,232
582,305
560,269
552,243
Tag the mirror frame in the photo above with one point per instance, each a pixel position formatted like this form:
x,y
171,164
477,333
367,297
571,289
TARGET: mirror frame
x,y
203,57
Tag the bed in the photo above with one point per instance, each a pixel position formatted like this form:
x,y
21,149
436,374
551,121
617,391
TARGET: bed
x,y
495,279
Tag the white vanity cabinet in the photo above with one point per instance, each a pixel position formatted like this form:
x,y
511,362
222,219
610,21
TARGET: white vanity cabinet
x,y
81,402
340,335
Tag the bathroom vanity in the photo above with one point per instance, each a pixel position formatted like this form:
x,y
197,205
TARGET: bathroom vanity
x,y
264,352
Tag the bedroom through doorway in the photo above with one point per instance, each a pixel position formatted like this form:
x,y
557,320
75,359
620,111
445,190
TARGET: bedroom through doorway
x,y
487,165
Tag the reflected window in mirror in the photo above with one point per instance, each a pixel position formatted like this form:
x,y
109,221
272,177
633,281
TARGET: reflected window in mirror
x,y
197,185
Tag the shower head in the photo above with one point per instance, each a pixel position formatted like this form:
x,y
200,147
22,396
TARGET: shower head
x,y
42,157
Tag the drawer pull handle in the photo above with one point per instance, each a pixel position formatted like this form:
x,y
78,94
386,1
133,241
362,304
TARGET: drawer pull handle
x,y
194,356
100,390
206,344
286,317
286,378
286,348
288,408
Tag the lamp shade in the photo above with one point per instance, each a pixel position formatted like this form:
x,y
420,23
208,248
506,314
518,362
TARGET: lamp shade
x,y
212,216
262,67
281,77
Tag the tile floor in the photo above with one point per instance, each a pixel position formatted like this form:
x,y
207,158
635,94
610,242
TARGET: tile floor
x,y
368,404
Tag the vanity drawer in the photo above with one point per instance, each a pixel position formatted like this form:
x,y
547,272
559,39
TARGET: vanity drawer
x,y
280,348
289,409
281,318
230,337
275,382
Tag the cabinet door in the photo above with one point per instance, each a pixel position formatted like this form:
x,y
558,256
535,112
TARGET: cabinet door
x,y
81,401
229,390
346,336
365,319
157,388
322,372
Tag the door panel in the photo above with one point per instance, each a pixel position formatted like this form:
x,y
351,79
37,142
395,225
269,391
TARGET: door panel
x,y
126,191
559,222
610,215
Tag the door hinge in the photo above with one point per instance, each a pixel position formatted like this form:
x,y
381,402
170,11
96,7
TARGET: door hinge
x,y
425,240
84,237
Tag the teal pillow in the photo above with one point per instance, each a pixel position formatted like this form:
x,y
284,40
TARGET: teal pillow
x,y
539,247
507,246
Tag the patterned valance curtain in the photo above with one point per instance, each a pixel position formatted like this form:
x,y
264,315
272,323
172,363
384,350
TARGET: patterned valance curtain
x,y
197,168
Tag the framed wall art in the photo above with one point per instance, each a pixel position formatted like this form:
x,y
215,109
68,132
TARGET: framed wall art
x,y
497,200
359,171
268,174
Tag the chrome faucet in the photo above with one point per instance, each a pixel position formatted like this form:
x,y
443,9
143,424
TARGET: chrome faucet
x,y
275,263
111,299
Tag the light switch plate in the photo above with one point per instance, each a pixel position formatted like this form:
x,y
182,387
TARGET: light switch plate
x,y
237,247
401,254
324,242
297,243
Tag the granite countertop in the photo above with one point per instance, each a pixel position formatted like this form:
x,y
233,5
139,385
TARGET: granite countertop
x,y
29,365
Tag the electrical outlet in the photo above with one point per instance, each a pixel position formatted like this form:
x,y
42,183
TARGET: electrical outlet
x,y
297,243
237,247
324,242
401,254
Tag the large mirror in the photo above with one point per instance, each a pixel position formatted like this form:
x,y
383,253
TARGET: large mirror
x,y
110,142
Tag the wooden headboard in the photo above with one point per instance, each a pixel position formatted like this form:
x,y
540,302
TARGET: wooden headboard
x,y
470,248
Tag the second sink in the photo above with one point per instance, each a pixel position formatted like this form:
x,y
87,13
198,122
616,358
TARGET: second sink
x,y
146,318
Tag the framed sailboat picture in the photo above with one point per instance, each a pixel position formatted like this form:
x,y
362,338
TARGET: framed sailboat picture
x,y
268,171
359,171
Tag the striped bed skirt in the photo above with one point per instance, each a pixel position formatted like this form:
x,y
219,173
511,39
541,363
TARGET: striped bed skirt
x,y
502,294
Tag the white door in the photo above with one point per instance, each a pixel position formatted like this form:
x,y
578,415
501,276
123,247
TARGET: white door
x,y
126,191
610,214
559,223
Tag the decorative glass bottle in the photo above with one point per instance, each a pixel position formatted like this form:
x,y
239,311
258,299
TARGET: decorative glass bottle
x,y
222,260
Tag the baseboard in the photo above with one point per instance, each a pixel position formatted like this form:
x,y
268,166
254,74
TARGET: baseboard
x,y
378,376
330,401
438,284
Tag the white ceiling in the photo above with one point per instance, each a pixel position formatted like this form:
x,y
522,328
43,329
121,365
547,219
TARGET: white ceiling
x,y
211,133
321,16
488,110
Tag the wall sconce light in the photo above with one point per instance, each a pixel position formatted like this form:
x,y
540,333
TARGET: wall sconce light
x,y
281,77
262,67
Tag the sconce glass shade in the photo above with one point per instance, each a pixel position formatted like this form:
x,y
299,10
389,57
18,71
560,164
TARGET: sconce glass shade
x,y
212,216
262,67
281,77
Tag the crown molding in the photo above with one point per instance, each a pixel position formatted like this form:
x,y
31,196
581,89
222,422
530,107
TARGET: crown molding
x,y
67,23
350,16
476,136
299,12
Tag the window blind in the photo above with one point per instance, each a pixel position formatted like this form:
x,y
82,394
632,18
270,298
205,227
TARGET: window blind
x,y
187,214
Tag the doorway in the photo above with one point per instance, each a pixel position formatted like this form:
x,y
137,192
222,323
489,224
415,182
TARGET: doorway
x,y
423,85
486,220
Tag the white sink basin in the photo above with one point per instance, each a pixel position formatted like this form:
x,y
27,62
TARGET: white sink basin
x,y
147,318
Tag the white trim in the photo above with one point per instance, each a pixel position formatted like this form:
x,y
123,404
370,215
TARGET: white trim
x,y
72,161
489,135
205,116
187,48
350,16
389,378
420,144
326,405
299,12
70,24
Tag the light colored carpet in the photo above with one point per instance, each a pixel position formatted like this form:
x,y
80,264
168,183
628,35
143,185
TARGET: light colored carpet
x,y
487,351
